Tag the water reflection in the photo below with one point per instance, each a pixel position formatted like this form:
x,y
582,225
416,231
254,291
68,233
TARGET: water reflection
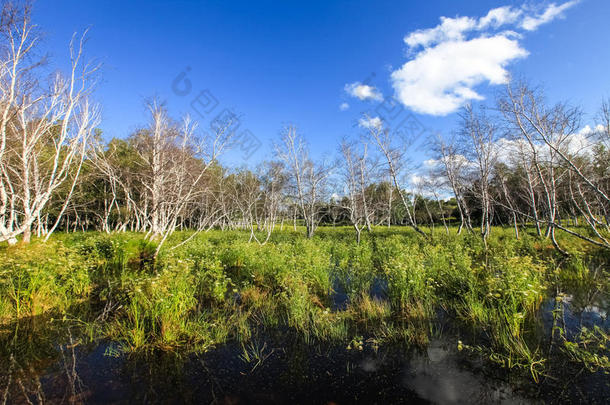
x,y
36,371
47,361
438,377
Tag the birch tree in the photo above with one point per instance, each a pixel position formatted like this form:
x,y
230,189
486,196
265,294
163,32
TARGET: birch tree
x,y
479,135
549,131
308,179
356,177
452,166
175,161
45,125
394,152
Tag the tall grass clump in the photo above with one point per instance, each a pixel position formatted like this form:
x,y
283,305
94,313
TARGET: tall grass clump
x,y
41,277
354,267
503,305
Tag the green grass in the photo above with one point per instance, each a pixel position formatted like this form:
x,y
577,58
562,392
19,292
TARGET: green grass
x,y
219,287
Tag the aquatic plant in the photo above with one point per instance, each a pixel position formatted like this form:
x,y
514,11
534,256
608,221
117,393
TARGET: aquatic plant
x,y
218,287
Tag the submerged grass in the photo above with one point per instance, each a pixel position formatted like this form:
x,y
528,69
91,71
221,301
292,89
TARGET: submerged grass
x,y
219,287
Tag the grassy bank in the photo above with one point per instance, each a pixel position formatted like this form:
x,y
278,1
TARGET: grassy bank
x,y
395,286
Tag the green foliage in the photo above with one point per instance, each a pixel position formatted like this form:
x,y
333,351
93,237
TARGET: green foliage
x,y
590,348
354,266
40,277
219,287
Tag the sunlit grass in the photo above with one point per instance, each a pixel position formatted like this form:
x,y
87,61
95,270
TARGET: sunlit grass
x,y
218,287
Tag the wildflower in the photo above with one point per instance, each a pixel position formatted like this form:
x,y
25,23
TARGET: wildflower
x,y
460,347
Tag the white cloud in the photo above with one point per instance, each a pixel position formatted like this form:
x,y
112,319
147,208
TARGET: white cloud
x,y
499,16
578,143
450,29
344,107
370,122
363,91
431,163
450,60
417,180
429,185
508,149
439,80
553,11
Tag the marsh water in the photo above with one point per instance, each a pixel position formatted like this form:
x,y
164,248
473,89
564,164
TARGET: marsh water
x,y
44,361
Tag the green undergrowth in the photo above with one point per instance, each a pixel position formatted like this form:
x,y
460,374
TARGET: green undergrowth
x,y
392,287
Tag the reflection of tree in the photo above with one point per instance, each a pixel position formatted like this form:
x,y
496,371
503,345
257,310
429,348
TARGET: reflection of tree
x,y
587,292
158,375
74,384
28,350
24,355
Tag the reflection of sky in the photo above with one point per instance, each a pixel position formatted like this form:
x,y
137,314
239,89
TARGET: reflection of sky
x,y
436,376
578,314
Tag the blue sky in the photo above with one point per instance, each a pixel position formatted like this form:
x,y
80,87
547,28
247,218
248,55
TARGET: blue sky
x,y
298,62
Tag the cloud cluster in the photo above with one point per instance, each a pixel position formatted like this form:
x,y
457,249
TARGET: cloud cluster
x,y
530,23
579,143
451,59
363,91
370,123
